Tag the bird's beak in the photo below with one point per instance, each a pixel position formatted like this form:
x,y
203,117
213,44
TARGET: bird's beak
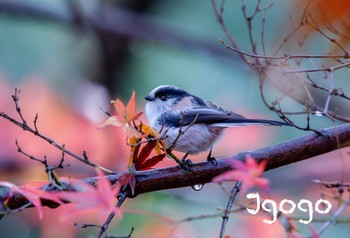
x,y
149,98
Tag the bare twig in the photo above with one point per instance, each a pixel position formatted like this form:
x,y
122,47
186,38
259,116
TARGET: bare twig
x,y
331,87
284,57
334,218
219,18
121,198
173,145
15,98
24,125
181,131
333,184
318,29
107,235
281,62
229,205
321,220
35,123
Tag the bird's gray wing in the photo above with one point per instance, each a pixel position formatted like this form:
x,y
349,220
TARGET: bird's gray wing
x,y
216,107
212,116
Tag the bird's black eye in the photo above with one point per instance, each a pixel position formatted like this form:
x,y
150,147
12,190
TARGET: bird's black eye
x,y
162,97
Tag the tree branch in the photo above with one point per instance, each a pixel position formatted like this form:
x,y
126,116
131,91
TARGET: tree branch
x,y
279,155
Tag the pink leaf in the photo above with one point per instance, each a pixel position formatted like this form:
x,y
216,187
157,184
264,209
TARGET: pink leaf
x,y
249,173
33,194
87,197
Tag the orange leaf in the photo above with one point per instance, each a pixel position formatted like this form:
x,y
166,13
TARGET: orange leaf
x,y
127,113
131,107
137,115
331,17
120,109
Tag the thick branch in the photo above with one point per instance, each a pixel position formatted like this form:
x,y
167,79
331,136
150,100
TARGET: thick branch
x,y
279,155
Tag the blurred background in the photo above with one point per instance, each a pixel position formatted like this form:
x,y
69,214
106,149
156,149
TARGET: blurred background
x,y
70,58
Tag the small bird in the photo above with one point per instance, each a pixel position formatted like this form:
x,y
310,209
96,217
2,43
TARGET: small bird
x,y
191,124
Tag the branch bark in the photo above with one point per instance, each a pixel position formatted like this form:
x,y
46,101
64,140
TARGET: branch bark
x,y
279,155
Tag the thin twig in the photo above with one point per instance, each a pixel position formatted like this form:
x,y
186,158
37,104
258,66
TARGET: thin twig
x,y
318,29
49,170
24,125
35,123
229,205
284,57
121,198
334,218
331,86
15,98
333,184
173,145
219,18
181,132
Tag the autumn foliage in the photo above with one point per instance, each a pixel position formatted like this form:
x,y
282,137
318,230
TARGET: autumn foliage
x,y
141,138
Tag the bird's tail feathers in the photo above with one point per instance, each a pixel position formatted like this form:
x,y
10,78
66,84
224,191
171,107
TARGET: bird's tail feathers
x,y
247,122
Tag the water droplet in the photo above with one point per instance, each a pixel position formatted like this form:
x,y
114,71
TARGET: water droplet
x,y
318,113
197,187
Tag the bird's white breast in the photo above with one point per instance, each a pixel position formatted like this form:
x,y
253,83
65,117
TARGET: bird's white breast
x,y
196,139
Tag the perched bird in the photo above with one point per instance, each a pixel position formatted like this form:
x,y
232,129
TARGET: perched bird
x,y
191,124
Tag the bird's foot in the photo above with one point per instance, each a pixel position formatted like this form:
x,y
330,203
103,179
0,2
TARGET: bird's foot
x,y
186,163
212,160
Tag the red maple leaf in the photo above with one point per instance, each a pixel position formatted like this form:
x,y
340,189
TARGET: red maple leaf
x,y
87,197
249,173
141,160
33,192
140,152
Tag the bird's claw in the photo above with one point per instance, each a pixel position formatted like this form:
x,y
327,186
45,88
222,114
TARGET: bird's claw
x,y
186,164
212,160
